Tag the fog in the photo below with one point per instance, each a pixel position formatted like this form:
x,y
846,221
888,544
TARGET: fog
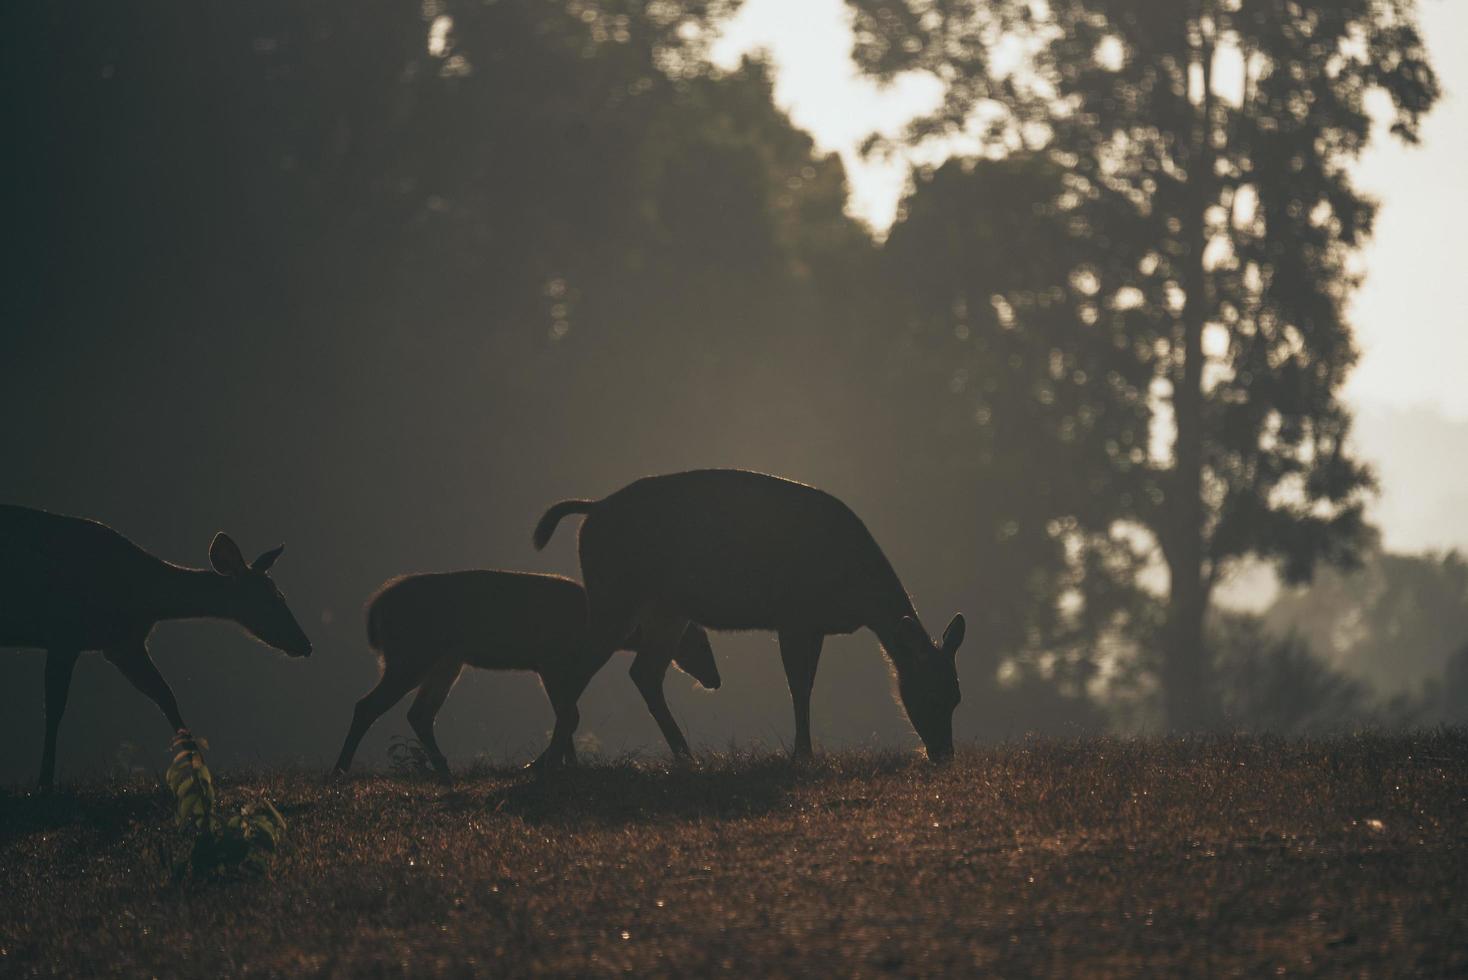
x,y
313,277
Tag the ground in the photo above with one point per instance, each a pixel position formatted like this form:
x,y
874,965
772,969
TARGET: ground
x,y
1097,857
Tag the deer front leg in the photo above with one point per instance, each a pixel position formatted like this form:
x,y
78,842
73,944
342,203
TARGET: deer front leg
x,y
59,666
801,653
648,671
139,669
660,635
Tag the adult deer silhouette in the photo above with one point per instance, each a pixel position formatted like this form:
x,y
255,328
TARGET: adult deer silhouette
x,y
735,550
69,585
427,627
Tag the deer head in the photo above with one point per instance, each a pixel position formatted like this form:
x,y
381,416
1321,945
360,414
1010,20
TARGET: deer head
x,y
927,682
256,603
695,657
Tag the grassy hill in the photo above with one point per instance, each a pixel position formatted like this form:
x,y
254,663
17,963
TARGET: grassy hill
x,y
1103,857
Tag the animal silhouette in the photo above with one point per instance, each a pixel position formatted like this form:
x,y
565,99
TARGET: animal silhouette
x,y
70,585
427,627
735,550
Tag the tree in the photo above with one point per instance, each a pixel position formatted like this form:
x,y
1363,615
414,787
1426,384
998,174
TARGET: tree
x,y
1040,455
1396,621
413,268
1279,684
1206,146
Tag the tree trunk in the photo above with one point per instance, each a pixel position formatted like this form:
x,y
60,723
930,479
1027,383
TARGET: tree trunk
x,y
1189,695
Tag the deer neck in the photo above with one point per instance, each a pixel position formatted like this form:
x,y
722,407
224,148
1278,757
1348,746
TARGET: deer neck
x,y
195,593
885,625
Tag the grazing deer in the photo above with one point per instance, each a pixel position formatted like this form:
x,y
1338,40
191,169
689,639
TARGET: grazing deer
x,y
427,627
69,585
734,550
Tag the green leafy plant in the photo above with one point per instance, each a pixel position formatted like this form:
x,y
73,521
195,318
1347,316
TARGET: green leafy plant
x,y
217,840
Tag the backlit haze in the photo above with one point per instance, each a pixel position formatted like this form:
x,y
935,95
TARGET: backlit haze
x,y
1408,390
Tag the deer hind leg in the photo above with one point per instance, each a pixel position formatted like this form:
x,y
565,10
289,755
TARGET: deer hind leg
x,y
59,666
135,664
394,683
801,653
431,696
659,639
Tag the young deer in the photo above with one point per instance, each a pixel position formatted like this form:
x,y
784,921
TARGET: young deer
x,y
734,550
69,585
427,627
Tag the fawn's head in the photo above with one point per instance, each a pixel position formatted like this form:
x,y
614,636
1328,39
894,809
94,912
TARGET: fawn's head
x,y
695,657
257,604
927,682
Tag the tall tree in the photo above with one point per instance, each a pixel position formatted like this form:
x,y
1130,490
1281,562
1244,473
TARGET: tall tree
x,y
1207,146
1034,428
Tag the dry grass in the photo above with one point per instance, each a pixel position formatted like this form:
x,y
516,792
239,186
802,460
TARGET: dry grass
x,y
1098,857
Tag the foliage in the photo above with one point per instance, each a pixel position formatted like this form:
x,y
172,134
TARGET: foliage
x,y
1454,690
1277,684
1024,400
1205,149
403,233
538,243
408,757
243,839
1395,622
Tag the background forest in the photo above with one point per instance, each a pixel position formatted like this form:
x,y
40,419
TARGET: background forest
x,y
383,280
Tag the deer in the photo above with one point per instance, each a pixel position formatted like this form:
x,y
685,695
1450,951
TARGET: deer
x,y
425,628
69,585
739,550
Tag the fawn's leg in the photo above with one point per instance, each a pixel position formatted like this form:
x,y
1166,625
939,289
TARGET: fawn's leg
x,y
564,686
390,689
59,666
431,696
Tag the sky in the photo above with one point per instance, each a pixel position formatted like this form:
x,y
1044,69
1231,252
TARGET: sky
x,y
1408,392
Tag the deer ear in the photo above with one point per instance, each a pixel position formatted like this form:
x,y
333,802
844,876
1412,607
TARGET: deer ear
x,y
225,556
953,635
911,635
263,563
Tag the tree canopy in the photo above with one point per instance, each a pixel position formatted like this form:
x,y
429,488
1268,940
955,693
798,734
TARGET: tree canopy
x,y
1205,152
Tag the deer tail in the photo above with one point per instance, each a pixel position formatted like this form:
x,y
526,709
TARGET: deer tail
x,y
547,525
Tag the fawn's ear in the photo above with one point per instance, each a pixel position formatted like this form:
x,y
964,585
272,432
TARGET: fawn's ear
x,y
263,563
225,556
953,635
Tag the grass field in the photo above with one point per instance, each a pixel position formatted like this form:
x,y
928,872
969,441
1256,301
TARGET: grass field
x,y
1098,857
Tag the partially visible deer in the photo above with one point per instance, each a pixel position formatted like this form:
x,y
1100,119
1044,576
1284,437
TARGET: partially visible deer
x,y
427,627
734,550
69,585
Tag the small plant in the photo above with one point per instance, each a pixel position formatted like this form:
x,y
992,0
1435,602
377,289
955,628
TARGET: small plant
x,y
408,757
245,839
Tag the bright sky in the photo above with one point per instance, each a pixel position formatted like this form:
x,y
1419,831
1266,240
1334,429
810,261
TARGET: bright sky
x,y
1411,329
818,85
1411,326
